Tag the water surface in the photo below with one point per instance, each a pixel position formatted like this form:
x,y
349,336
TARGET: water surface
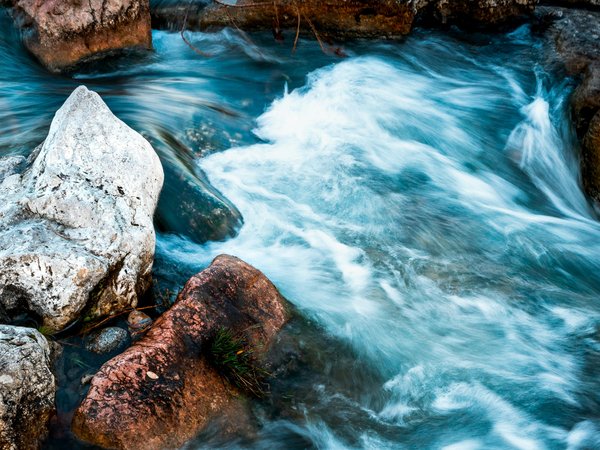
x,y
418,201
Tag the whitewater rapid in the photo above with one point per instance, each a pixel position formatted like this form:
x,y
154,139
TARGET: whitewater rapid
x,y
433,220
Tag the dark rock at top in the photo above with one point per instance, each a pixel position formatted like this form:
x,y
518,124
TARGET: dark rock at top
x,y
335,18
575,36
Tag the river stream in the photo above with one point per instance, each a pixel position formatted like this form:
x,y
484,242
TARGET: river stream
x,y
419,203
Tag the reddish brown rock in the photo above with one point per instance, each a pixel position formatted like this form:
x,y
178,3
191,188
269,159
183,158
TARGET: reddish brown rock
x,y
585,107
163,390
62,33
342,19
336,18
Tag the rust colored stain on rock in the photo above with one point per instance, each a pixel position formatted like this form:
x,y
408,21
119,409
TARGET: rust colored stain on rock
x,y
62,33
162,391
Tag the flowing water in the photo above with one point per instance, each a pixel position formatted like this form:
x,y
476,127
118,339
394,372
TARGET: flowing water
x,y
419,202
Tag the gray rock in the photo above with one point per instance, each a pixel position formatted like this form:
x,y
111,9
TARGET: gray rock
x,y
9,165
76,229
106,340
27,387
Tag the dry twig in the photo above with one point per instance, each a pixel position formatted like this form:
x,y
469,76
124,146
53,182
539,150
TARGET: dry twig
x,y
297,29
189,44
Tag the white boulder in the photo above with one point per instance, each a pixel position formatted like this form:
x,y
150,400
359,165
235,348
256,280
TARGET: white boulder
x,y
76,229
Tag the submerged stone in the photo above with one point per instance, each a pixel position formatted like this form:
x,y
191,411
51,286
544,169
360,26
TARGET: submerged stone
x,y
106,340
138,323
191,207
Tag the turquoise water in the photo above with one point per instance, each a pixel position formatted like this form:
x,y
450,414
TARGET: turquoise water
x,y
418,201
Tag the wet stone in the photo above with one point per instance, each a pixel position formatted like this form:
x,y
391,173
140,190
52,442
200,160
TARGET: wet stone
x,y
138,323
106,340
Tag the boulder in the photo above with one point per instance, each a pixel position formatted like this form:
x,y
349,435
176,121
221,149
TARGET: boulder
x,y
574,36
590,146
62,33
335,18
27,387
585,102
76,231
164,388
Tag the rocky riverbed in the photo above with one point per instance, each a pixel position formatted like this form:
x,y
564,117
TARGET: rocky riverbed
x,y
94,351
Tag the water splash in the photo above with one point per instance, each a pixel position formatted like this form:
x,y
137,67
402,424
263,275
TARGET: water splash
x,y
432,222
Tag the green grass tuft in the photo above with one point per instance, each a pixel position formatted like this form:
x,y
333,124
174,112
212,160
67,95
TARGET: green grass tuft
x,y
234,358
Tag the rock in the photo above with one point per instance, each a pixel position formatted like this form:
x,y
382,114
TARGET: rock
x,y
575,37
76,231
585,102
106,340
138,323
573,34
590,146
188,205
593,4
480,12
585,107
62,33
164,387
85,380
27,387
336,18
343,19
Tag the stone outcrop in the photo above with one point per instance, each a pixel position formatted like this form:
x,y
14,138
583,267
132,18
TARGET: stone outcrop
x,y
27,387
76,231
335,18
62,33
163,390
476,12
575,38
